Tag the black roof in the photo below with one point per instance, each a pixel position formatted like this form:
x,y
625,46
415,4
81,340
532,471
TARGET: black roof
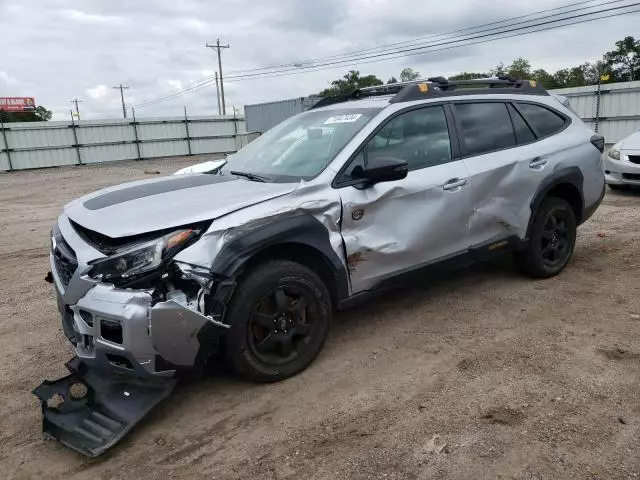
x,y
435,87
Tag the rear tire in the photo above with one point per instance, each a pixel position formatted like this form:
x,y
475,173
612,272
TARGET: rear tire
x,y
552,240
279,317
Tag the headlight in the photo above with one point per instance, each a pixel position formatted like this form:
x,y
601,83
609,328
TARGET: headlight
x,y
614,153
143,257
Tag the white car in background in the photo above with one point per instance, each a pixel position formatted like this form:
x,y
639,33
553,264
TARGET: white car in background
x,y
622,164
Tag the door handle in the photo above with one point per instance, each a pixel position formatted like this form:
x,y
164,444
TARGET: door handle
x,y
538,163
454,184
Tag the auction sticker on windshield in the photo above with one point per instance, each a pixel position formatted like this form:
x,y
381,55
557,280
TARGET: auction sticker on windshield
x,y
347,118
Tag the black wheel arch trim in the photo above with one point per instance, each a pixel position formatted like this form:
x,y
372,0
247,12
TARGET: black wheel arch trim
x,y
303,229
567,175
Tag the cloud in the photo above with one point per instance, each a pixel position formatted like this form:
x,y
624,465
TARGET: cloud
x,y
81,16
59,49
98,92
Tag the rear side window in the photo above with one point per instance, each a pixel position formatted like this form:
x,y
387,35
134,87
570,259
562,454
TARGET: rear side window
x,y
523,132
543,121
486,127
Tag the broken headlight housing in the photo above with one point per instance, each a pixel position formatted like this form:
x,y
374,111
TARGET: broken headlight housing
x,y
142,257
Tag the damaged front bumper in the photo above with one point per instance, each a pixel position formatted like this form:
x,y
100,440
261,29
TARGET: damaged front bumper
x,y
122,330
129,345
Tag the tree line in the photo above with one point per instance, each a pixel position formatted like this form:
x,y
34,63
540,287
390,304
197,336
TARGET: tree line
x,y
618,65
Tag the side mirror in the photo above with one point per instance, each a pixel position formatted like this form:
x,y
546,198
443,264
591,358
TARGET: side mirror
x,y
385,169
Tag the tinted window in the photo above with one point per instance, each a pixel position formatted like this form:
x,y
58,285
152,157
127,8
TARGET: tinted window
x,y
523,132
543,121
485,127
420,137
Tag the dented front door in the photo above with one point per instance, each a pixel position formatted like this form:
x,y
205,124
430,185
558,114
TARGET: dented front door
x,y
393,227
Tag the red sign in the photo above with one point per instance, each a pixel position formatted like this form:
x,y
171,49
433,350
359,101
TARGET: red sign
x,y
17,104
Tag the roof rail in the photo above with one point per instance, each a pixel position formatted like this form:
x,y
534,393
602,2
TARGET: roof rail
x,y
439,87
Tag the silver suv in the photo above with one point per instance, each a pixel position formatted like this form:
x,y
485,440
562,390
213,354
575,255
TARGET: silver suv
x,y
359,193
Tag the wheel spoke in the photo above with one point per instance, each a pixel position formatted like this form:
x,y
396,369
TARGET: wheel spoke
x,y
268,343
546,234
286,346
302,329
562,226
554,222
546,250
263,319
298,306
281,300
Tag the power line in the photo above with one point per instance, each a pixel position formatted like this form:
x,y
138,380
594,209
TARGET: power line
x,y
418,49
451,47
204,81
450,41
390,45
124,108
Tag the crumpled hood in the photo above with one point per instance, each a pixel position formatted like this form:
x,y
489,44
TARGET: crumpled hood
x,y
149,205
632,142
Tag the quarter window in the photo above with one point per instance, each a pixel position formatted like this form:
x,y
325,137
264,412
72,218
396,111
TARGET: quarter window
x,y
543,121
486,127
523,132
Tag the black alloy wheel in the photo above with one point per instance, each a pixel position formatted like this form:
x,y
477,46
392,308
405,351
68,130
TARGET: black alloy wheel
x,y
552,239
281,325
279,318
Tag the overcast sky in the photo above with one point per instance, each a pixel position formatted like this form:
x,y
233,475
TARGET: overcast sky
x,y
56,50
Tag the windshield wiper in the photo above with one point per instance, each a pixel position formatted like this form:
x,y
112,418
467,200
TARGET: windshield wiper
x,y
250,176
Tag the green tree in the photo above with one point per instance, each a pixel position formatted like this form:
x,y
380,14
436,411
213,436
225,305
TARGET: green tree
x,y
498,70
544,78
624,62
392,80
520,68
408,74
350,82
40,114
469,76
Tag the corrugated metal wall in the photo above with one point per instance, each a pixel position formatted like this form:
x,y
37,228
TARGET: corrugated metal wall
x,y
619,108
263,116
49,144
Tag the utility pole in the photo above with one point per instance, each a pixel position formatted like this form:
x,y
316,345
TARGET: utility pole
x,y
218,94
121,88
76,101
219,48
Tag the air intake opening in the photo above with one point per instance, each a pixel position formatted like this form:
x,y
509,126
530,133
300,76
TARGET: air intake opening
x,y
111,330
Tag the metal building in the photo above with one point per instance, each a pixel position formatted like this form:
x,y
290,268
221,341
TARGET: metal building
x,y
618,114
261,117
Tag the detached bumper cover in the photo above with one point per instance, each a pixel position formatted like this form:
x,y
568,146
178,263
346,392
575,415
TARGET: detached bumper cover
x,y
90,410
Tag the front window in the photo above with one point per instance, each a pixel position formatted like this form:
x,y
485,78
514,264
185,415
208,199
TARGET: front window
x,y
300,147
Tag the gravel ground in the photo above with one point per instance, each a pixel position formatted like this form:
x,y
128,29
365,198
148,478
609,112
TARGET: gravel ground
x,y
483,374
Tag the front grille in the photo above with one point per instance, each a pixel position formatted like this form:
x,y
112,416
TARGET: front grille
x,y
634,159
64,259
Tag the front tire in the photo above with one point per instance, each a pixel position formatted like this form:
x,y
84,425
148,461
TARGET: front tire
x,y
552,240
279,317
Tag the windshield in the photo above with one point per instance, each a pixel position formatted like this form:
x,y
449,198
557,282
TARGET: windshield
x,y
300,147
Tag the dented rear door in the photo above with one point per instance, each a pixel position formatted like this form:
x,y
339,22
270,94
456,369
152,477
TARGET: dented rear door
x,y
393,227
502,175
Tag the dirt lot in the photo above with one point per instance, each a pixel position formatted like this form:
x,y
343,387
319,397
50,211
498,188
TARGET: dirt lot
x,y
484,374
